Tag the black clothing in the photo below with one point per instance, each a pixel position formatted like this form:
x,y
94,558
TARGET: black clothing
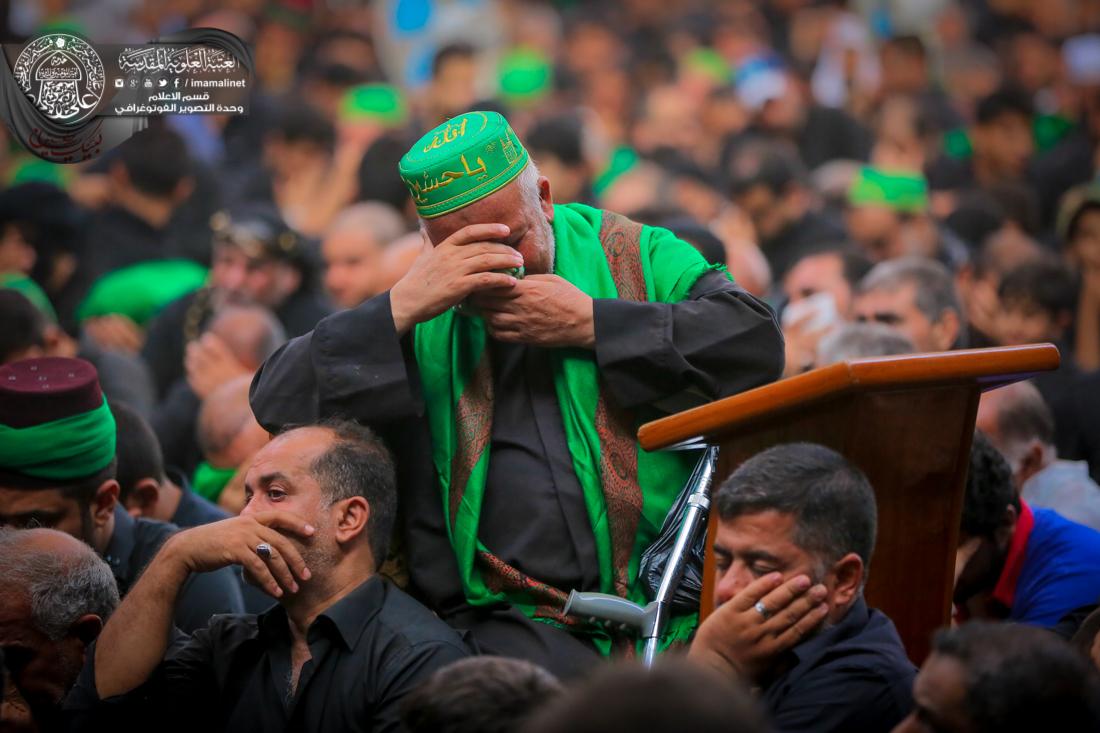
x,y
134,543
831,134
718,342
193,509
807,234
528,442
1075,402
174,423
123,377
368,650
854,676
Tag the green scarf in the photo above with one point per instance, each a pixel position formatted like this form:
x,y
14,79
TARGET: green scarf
x,y
209,481
628,491
68,448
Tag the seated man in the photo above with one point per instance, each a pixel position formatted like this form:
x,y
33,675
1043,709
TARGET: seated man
x,y
795,535
339,651
57,595
1018,422
916,297
1003,678
146,488
1015,563
57,469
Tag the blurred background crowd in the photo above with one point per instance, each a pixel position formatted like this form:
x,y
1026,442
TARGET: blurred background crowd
x,y
891,176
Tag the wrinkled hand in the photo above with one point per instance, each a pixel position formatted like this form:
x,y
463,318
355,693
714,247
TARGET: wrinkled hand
x,y
116,332
210,363
738,638
443,276
541,310
233,542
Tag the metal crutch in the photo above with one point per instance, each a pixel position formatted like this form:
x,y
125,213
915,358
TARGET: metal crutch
x,y
650,621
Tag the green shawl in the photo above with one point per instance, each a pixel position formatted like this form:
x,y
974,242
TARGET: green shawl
x,y
628,491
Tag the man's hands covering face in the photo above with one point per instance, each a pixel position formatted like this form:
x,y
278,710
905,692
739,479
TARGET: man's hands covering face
x,y
739,638
234,541
541,310
445,275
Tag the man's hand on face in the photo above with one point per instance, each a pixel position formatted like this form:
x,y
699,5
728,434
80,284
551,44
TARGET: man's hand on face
x,y
739,638
445,275
234,541
541,310
210,363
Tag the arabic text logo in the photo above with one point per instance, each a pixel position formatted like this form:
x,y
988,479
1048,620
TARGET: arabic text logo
x,y
63,75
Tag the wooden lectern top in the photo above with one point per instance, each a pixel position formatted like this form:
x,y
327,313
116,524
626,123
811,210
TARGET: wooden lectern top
x,y
989,368
907,422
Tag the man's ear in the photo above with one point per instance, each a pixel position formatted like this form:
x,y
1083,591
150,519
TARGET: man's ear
x,y
1030,464
119,176
352,521
143,498
849,579
546,199
87,628
946,329
103,503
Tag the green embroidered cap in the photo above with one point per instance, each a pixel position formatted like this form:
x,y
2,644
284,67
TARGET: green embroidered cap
x,y
902,192
461,161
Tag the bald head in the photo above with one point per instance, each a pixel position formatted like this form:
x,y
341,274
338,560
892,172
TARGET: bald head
x,y
354,251
1020,425
228,433
252,332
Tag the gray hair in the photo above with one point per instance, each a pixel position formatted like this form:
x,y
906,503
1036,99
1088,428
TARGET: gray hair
x,y
378,219
61,587
830,498
935,288
860,340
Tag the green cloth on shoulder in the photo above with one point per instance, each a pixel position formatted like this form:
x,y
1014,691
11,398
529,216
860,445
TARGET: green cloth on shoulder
x,y
208,481
140,291
454,367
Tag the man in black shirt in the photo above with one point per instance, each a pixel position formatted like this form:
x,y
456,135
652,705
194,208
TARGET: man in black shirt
x,y
796,533
341,649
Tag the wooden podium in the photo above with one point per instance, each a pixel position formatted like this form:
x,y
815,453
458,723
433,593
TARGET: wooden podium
x,y
907,422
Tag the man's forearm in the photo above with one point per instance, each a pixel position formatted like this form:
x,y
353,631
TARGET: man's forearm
x,y
136,637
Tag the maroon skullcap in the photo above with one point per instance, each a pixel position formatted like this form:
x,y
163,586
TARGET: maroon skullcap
x,y
35,391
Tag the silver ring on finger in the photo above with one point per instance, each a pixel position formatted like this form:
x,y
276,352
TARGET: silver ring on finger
x,y
762,610
264,550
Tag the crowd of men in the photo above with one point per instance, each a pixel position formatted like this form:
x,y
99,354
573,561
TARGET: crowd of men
x,y
311,418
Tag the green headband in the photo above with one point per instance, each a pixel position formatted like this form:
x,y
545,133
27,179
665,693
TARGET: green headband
x,y
72,447
380,103
902,192
209,481
462,161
